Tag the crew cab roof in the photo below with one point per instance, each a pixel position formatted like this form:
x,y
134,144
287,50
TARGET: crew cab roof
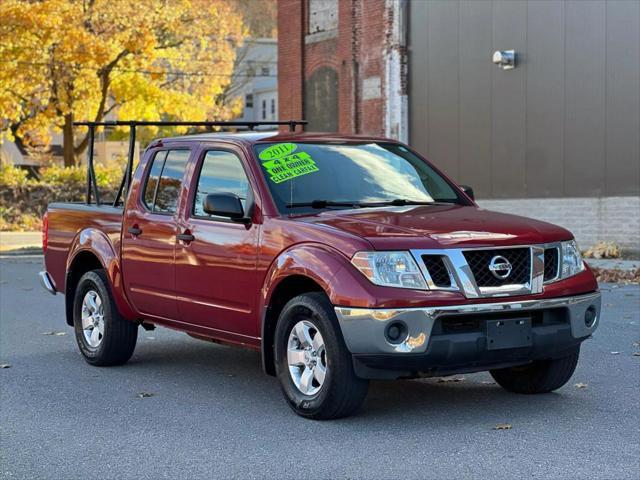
x,y
251,138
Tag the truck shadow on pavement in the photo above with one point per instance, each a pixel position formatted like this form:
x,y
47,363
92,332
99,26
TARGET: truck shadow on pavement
x,y
197,367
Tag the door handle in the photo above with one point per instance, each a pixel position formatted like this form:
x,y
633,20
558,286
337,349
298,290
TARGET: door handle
x,y
135,230
185,237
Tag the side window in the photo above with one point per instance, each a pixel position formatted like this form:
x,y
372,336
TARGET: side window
x,y
221,172
152,180
170,181
165,178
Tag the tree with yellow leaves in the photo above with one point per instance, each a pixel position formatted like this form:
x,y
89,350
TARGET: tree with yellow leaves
x,y
66,60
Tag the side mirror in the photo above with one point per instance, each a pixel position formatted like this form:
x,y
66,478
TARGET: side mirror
x,y
468,190
224,205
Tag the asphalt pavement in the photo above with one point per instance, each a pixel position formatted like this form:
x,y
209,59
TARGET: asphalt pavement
x,y
210,412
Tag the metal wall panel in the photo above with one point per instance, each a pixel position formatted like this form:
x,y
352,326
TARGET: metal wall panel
x,y
564,122
476,38
584,123
622,95
507,103
545,98
419,75
443,83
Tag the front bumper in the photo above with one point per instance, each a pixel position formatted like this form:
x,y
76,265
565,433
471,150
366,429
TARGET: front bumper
x,y
454,338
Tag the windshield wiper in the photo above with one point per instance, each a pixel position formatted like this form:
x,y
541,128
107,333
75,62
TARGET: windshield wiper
x,y
322,204
396,202
399,202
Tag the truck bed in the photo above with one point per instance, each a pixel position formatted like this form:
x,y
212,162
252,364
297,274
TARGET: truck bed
x,y
66,222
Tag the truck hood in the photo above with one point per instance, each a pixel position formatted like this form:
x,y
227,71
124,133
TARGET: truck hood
x,y
438,226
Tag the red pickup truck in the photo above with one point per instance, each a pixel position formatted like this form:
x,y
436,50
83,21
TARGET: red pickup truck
x,y
341,259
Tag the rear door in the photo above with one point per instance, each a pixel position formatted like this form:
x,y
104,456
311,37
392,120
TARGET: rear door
x,y
216,281
149,234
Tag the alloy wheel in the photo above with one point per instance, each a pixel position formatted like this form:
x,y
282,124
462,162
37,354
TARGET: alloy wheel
x,y
307,357
92,318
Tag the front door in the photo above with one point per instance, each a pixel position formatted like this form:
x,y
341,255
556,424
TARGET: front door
x,y
216,284
149,235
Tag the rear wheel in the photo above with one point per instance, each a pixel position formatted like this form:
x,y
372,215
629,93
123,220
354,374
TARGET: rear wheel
x,y
312,362
539,377
103,336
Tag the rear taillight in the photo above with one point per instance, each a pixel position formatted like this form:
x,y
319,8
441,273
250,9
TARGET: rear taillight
x,y
45,231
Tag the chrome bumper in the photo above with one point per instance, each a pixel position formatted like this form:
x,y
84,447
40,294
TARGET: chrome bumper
x,y
364,329
47,282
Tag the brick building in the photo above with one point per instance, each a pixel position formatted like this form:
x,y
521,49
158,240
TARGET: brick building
x,y
340,65
557,137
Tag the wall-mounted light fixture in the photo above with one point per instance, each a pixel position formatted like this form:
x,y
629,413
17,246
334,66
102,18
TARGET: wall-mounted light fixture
x,y
505,59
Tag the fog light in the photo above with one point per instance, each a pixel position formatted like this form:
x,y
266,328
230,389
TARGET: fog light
x,y
590,316
396,332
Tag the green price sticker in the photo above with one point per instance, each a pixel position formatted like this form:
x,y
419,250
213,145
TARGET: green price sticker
x,y
290,166
278,150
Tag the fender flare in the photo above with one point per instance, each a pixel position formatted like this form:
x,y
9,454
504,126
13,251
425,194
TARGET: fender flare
x,y
317,262
96,242
324,265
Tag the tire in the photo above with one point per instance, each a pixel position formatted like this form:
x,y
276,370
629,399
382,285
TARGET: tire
x,y
341,391
539,377
115,345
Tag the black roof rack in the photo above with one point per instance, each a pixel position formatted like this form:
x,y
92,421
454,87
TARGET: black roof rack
x,y
132,124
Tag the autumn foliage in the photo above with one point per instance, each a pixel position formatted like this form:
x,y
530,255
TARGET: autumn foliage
x,y
67,60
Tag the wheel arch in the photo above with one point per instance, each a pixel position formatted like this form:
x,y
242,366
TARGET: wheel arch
x,y
288,288
82,262
303,268
92,250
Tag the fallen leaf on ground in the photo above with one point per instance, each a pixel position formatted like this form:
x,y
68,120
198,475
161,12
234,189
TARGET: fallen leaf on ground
x,y
450,379
581,385
603,249
617,276
57,334
636,354
145,395
615,353
502,426
5,365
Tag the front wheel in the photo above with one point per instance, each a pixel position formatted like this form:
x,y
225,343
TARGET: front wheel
x,y
539,377
103,336
312,362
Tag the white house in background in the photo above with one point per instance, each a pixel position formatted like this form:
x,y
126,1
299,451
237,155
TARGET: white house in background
x,y
255,79
106,152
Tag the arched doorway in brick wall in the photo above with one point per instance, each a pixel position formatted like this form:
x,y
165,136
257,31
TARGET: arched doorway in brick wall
x,y
321,100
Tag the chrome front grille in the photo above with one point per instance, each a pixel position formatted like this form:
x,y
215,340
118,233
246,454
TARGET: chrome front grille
x,y
438,270
488,272
519,258
551,263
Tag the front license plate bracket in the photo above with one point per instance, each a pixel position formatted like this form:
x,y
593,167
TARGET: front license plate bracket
x,y
510,333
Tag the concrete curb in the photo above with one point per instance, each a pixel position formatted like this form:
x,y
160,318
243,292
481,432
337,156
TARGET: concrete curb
x,y
20,241
21,252
613,264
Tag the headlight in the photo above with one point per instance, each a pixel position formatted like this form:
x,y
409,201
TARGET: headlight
x,y
571,259
390,269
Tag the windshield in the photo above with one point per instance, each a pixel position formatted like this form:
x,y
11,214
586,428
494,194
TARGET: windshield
x,y
304,177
